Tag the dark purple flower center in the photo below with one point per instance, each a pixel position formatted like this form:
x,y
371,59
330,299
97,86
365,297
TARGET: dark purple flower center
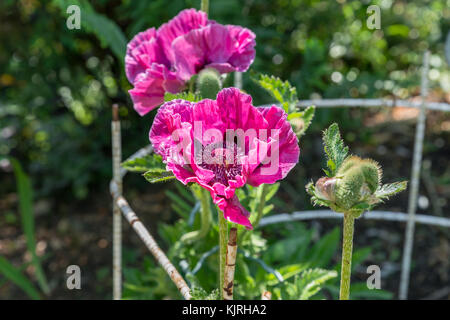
x,y
225,167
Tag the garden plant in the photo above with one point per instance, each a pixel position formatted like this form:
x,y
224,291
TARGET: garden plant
x,y
215,142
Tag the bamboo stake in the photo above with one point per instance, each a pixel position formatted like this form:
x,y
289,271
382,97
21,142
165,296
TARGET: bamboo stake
x,y
117,222
230,265
151,244
266,295
415,176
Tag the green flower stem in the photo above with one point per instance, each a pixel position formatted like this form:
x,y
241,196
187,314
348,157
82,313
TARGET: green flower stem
x,y
261,203
262,193
347,248
205,217
205,6
223,239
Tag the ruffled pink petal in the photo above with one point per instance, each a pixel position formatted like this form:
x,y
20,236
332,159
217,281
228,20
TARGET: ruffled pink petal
x,y
222,67
284,146
237,112
225,48
255,164
234,212
142,51
170,117
184,22
150,87
244,47
208,115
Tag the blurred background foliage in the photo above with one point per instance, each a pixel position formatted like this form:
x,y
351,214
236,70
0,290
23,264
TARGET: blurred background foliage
x,y
57,87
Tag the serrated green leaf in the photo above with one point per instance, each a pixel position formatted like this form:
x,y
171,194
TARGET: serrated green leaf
x,y
188,96
158,176
301,120
387,190
311,281
334,148
146,163
283,92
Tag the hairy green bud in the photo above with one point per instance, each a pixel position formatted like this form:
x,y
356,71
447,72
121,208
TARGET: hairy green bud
x,y
208,83
358,181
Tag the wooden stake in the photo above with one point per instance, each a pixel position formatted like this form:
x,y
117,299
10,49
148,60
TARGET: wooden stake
x,y
117,220
230,265
151,244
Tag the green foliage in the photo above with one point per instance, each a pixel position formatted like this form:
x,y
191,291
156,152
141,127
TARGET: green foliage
x,y
152,165
13,274
286,95
200,294
25,192
305,285
106,30
155,176
301,120
188,96
146,163
387,190
283,92
334,148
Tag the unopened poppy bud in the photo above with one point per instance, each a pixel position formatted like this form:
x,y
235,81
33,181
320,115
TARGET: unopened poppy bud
x,y
325,188
359,179
208,83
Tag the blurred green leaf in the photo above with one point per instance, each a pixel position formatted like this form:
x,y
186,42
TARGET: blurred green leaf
x,y
13,274
25,192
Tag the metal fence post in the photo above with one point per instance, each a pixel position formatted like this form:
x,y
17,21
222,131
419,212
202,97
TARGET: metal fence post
x,y
117,219
414,186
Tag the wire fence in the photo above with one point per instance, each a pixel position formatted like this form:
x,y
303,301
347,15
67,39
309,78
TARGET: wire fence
x,y
411,218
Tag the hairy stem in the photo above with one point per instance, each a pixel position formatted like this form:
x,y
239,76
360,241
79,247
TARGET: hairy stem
x,y
347,248
205,6
223,238
205,216
230,266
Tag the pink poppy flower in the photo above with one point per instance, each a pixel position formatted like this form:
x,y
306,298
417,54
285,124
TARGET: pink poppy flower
x,y
223,144
159,61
